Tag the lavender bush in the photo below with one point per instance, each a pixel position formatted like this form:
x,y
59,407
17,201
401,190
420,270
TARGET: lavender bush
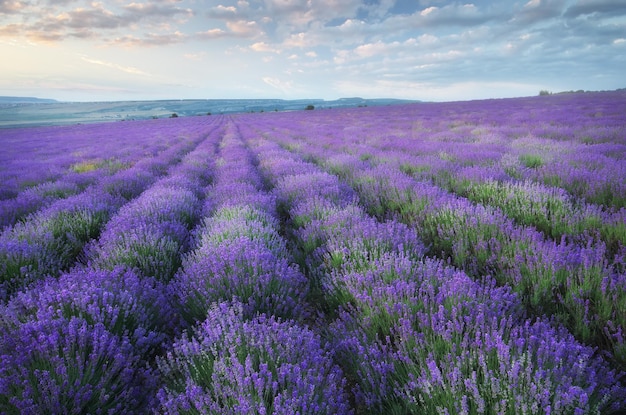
x,y
126,305
69,366
230,365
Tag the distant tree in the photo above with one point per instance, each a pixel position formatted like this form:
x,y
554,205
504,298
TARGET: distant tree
x,y
208,113
544,92
174,115
310,107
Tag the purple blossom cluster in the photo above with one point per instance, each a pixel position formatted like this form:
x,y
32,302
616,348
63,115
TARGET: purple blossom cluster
x,y
151,232
69,366
234,365
126,304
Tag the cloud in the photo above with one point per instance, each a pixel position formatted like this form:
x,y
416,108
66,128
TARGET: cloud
x,y
286,5
428,11
416,51
138,11
211,34
11,6
194,56
94,17
455,14
234,29
300,40
374,49
264,47
283,86
223,12
127,69
535,11
301,14
11,30
149,40
243,28
55,22
350,32
589,7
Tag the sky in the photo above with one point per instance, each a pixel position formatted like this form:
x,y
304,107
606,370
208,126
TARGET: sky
x,y
431,50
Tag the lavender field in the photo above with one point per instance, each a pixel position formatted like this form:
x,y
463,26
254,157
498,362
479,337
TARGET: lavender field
x,y
432,258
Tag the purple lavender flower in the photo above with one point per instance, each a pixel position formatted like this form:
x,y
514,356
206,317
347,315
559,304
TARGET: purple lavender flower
x,y
69,366
124,304
50,241
230,365
242,269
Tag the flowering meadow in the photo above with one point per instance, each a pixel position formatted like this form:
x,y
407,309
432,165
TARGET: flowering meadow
x,y
432,258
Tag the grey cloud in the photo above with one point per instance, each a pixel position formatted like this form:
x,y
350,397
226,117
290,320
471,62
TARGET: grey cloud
x,y
531,57
588,7
538,11
11,6
10,30
234,29
286,6
453,15
302,14
97,17
211,34
149,40
55,22
138,11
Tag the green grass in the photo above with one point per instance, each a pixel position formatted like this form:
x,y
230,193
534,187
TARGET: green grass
x,y
414,170
532,161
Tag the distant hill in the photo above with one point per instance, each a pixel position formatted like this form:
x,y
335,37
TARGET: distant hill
x,y
25,100
21,112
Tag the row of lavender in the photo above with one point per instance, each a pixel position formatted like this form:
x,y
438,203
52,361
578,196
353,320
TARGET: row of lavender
x,y
579,278
84,341
414,335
